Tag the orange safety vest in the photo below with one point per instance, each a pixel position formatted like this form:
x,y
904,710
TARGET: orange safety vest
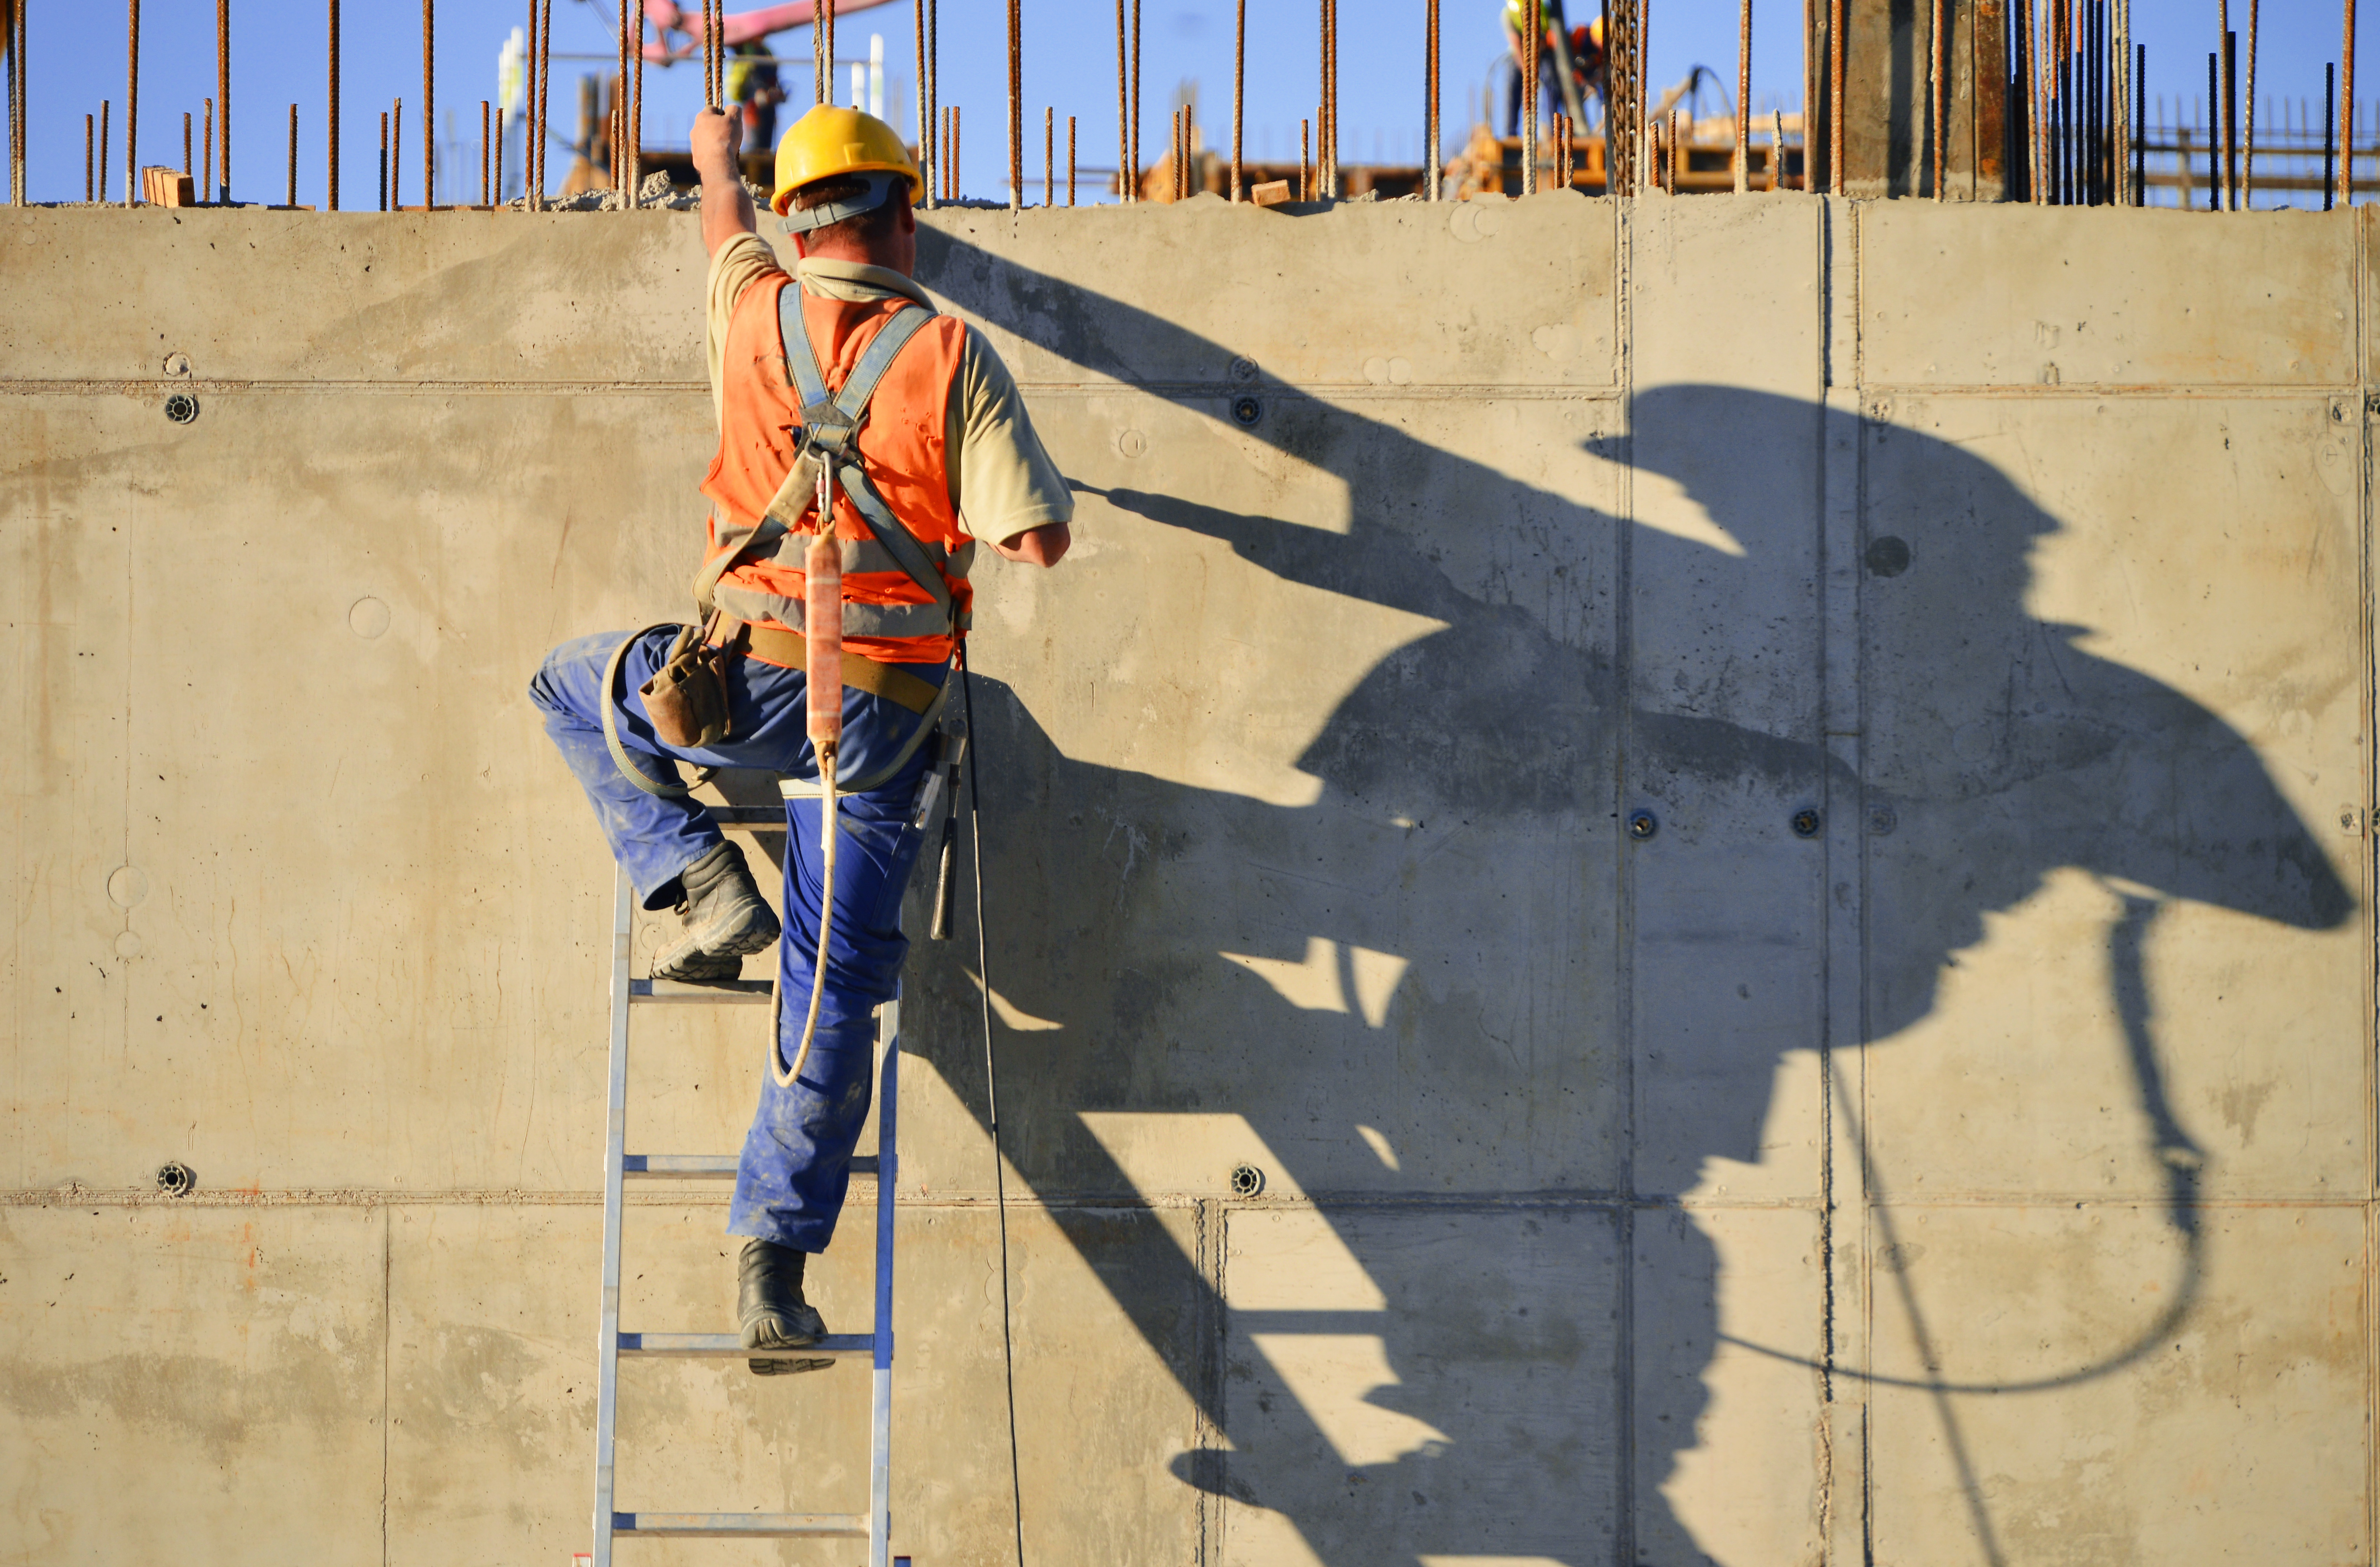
x,y
887,615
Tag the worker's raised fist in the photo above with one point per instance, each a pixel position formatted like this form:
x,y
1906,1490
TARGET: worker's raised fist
x,y
715,140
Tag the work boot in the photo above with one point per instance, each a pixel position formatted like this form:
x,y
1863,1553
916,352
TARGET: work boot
x,y
771,1310
724,919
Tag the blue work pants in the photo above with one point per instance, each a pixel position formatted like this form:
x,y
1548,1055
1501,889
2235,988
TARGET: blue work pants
x,y
797,1160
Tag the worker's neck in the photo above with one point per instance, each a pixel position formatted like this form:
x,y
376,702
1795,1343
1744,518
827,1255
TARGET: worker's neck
x,y
899,258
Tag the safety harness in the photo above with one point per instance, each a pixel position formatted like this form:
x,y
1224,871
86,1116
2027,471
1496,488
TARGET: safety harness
x,y
831,425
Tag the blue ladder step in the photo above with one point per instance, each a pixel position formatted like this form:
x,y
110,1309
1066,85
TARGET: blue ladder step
x,y
750,1525
728,1347
707,1166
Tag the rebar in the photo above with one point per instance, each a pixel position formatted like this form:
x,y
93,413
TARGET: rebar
x,y
1431,132
1134,162
956,178
330,119
103,144
1305,160
207,151
1015,108
1050,155
1070,160
292,183
933,63
2140,160
1535,18
1776,148
131,100
429,118
2347,109
486,151
89,135
1743,99
544,115
1239,89
637,110
1940,51
185,144
2231,120
499,184
1679,143
2036,114
2215,131
925,115
1124,110
396,156
17,194
223,97
2329,133
820,65
1330,77
1834,99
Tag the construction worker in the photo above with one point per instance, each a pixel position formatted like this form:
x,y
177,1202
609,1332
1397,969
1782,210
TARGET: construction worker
x,y
945,453
1589,74
754,89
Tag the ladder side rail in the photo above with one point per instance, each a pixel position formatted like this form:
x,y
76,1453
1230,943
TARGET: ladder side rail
x,y
888,1167
615,1142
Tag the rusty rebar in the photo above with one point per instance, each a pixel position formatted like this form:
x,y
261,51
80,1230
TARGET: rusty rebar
x,y
498,199
2029,79
1239,92
2347,110
104,145
637,110
1530,70
529,120
89,134
486,151
830,47
1049,154
1643,57
429,119
1743,99
384,160
330,118
16,195
1835,116
1123,109
544,115
1940,114
207,151
223,98
1135,160
1331,97
926,159
1304,161
1015,110
818,65
1430,106
957,178
185,144
1070,160
396,156
131,100
291,202
1776,148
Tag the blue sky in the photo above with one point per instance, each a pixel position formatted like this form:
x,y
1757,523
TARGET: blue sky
x,y
76,58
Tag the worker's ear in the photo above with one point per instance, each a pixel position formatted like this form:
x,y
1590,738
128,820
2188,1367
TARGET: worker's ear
x,y
908,216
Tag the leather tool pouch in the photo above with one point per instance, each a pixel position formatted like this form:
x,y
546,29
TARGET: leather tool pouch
x,y
686,698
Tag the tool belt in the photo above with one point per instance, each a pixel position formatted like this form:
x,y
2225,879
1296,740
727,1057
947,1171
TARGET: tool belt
x,y
778,645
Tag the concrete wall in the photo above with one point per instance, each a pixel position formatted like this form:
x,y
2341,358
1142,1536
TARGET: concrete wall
x,y
1979,1169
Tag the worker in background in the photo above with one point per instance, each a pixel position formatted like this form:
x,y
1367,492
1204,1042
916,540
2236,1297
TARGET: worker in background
x,y
1589,74
754,89
947,445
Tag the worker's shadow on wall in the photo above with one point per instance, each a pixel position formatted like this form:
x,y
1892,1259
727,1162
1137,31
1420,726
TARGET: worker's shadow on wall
x,y
1406,988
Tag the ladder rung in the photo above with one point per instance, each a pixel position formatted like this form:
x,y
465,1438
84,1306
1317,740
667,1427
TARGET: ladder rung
x,y
707,1166
727,993
766,1526
728,1347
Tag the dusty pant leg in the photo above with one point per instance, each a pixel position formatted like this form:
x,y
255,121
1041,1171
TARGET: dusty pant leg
x,y
797,1161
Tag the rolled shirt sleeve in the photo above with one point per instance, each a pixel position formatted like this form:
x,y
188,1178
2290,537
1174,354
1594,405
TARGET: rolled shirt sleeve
x,y
1004,483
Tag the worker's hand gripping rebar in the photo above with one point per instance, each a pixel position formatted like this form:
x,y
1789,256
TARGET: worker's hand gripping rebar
x,y
822,625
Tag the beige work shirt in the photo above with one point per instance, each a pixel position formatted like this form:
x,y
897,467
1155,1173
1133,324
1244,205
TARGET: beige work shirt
x,y
1002,483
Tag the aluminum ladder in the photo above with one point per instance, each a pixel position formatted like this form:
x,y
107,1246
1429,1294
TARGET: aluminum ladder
x,y
620,1166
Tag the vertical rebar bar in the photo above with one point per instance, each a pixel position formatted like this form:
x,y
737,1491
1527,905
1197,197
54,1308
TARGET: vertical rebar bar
x,y
90,132
104,145
819,63
957,175
2094,12
2139,120
2347,108
2036,127
2231,122
330,118
384,160
1239,91
291,194
2329,133
207,151
1015,110
185,144
1049,154
544,116
1330,99
1070,160
1743,97
1431,132
486,149
16,20
396,156
926,159
2214,131
1304,161
131,100
222,99
1134,162
1776,148
498,199
637,110
1535,18
1939,119
428,96
1835,117
1124,110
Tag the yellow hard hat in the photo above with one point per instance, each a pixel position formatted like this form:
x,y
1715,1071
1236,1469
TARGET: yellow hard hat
x,y
829,141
